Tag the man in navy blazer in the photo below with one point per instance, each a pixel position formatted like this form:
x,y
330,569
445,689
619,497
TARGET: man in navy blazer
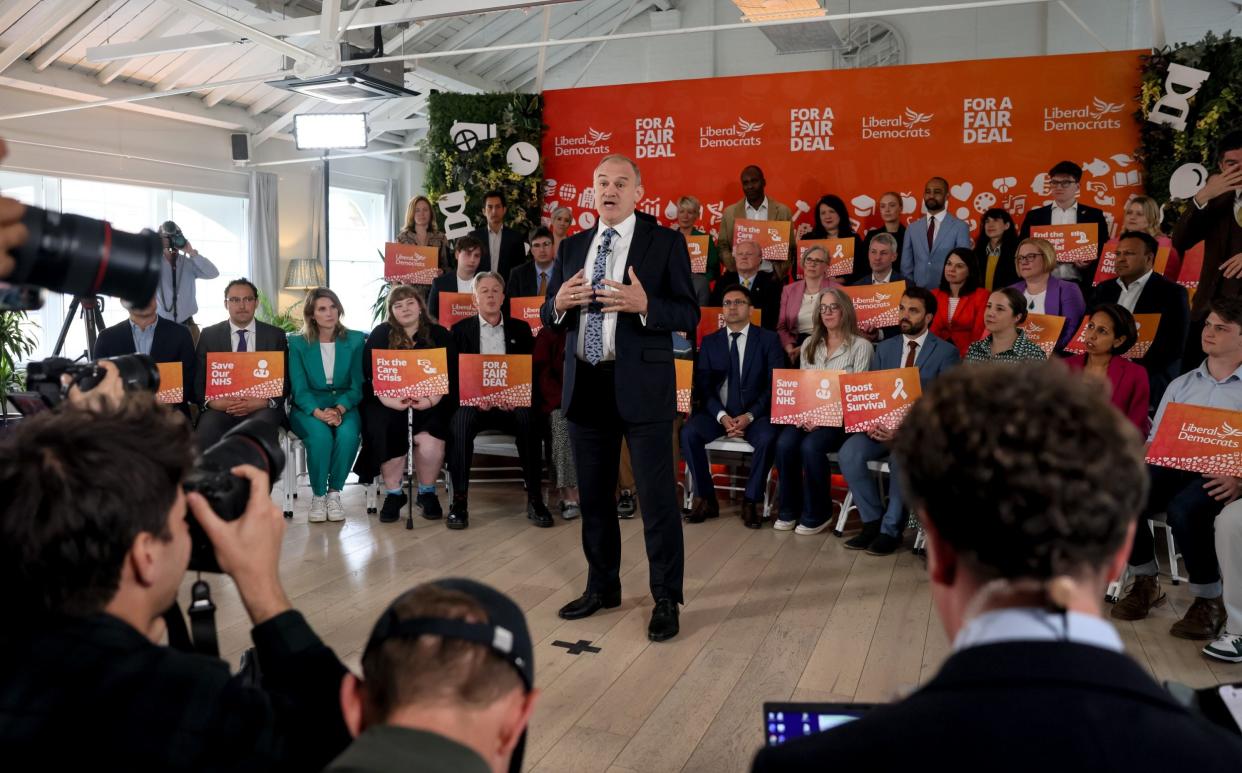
x,y
526,280
168,342
1024,532
733,381
619,291
923,255
916,346
504,248
1064,178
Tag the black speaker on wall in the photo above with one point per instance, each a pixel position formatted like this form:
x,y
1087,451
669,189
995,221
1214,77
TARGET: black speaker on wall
x,y
241,147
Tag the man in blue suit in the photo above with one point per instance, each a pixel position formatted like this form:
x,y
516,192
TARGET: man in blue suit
x,y
915,347
929,240
733,380
162,339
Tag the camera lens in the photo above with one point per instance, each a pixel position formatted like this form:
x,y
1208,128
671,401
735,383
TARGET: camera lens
x,y
79,255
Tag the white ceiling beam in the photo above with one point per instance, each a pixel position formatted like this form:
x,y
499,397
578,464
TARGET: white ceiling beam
x,y
280,122
555,58
170,22
189,68
77,29
246,31
268,101
15,10
255,59
329,20
56,15
510,61
402,124
588,15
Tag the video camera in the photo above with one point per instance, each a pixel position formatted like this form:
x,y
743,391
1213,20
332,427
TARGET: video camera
x,y
46,387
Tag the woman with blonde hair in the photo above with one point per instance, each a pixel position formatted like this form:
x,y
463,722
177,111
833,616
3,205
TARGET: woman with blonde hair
x,y
422,229
688,211
1143,213
325,379
562,220
1044,293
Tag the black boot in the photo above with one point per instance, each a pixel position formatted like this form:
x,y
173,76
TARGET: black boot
x,y
458,515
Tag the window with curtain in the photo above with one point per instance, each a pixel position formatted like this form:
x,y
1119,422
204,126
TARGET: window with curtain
x,y
357,231
214,224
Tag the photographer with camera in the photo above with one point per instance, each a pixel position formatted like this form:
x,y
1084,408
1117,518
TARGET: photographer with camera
x,y
179,271
95,540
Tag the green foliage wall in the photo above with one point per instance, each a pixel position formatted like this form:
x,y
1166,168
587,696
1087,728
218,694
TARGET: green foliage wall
x,y
1215,110
518,117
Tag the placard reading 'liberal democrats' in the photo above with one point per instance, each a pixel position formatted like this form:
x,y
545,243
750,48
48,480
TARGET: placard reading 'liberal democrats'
x,y
1198,439
878,398
410,263
526,308
245,374
401,373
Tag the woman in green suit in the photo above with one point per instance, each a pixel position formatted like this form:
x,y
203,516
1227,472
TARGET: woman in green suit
x,y
325,372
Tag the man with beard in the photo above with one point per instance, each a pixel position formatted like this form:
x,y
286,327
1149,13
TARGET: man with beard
x,y
929,240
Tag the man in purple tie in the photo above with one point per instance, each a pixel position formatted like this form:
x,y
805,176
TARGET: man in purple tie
x,y
619,290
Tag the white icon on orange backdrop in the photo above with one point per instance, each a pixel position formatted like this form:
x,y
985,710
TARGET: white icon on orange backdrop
x,y
586,199
1122,159
716,211
670,212
586,220
864,205
262,371
908,204
1097,167
913,118
1099,193
1003,184
800,208
427,367
824,392
1187,180
962,213
1101,108
962,191
1040,185
568,191
984,201
1126,179
549,187
467,135
899,389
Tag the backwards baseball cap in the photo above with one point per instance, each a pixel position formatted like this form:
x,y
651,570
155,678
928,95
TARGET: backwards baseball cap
x,y
505,633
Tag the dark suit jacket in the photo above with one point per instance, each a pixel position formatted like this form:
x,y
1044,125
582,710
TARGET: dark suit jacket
x,y
897,276
1022,706
765,295
1221,235
646,381
763,353
1163,361
524,281
512,250
518,338
172,343
216,338
1086,214
935,356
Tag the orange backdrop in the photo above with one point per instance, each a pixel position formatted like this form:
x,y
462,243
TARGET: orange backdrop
x,y
991,127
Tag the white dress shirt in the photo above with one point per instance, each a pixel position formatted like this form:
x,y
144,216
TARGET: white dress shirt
x,y
741,362
918,346
939,218
1065,216
465,285
1031,624
251,344
883,280
1035,303
493,246
757,213
1130,295
617,256
327,353
491,337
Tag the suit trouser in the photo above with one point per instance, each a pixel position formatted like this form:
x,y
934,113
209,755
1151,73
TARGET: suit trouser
x,y
1191,513
330,451
855,454
806,475
702,429
468,421
596,430
1229,554
213,424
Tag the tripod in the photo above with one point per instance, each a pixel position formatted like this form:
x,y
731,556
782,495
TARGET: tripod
x,y
92,315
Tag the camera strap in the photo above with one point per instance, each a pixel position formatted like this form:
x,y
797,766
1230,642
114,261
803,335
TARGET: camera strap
x,y
202,623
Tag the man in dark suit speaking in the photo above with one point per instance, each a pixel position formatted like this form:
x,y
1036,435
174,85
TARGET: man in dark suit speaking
x,y
620,290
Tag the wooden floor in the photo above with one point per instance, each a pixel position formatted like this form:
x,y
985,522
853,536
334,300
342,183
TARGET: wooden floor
x,y
768,616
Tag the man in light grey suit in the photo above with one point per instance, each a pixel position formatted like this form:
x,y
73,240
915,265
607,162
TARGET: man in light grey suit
x,y
929,240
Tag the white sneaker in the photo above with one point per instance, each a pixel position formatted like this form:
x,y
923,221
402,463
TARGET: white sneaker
x,y
805,530
1227,647
319,510
336,512
784,525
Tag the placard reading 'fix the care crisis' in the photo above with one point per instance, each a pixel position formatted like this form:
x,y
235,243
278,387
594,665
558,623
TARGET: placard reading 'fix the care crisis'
x,y
878,398
1198,439
415,373
245,374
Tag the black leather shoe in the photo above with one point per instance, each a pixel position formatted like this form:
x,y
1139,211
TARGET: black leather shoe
x,y
538,513
626,506
752,517
704,509
431,506
391,511
458,515
884,545
863,539
664,624
588,604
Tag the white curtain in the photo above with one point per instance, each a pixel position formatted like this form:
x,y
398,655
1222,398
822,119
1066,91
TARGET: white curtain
x,y
318,248
396,210
264,233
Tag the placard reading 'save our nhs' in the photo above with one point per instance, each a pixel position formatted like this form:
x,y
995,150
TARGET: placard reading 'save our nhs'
x,y
245,374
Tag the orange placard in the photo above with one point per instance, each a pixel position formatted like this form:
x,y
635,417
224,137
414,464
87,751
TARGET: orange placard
x,y
172,383
807,397
1192,267
772,236
878,398
1071,242
698,246
1147,325
685,381
1044,330
1195,438
840,254
877,306
409,372
496,380
526,308
410,263
454,307
245,374
1107,267
711,319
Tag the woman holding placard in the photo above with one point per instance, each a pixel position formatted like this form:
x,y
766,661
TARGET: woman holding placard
x,y
1143,214
385,434
800,302
1111,332
1006,341
325,377
832,221
422,229
960,301
688,211
1044,293
836,343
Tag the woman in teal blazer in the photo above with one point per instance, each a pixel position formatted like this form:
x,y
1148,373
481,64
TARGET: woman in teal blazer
x,y
325,373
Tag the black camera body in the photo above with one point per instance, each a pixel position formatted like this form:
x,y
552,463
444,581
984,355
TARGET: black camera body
x,y
255,442
44,378
172,232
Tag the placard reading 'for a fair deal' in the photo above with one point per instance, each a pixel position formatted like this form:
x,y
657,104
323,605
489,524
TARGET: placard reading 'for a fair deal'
x,y
245,374
415,373
711,319
526,308
840,254
697,246
454,307
1147,325
410,263
772,236
685,382
1044,330
495,380
877,306
1070,242
878,398
807,397
172,383
1106,269
1198,439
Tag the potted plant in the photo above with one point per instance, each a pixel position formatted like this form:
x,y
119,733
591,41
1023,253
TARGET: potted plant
x,y
288,320
16,344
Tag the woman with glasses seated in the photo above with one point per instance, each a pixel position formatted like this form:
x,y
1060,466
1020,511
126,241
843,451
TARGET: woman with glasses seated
x,y
1111,332
835,343
1006,341
800,302
1044,293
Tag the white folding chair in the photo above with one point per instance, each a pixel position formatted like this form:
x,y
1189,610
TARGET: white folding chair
x,y
733,446
880,468
1116,587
